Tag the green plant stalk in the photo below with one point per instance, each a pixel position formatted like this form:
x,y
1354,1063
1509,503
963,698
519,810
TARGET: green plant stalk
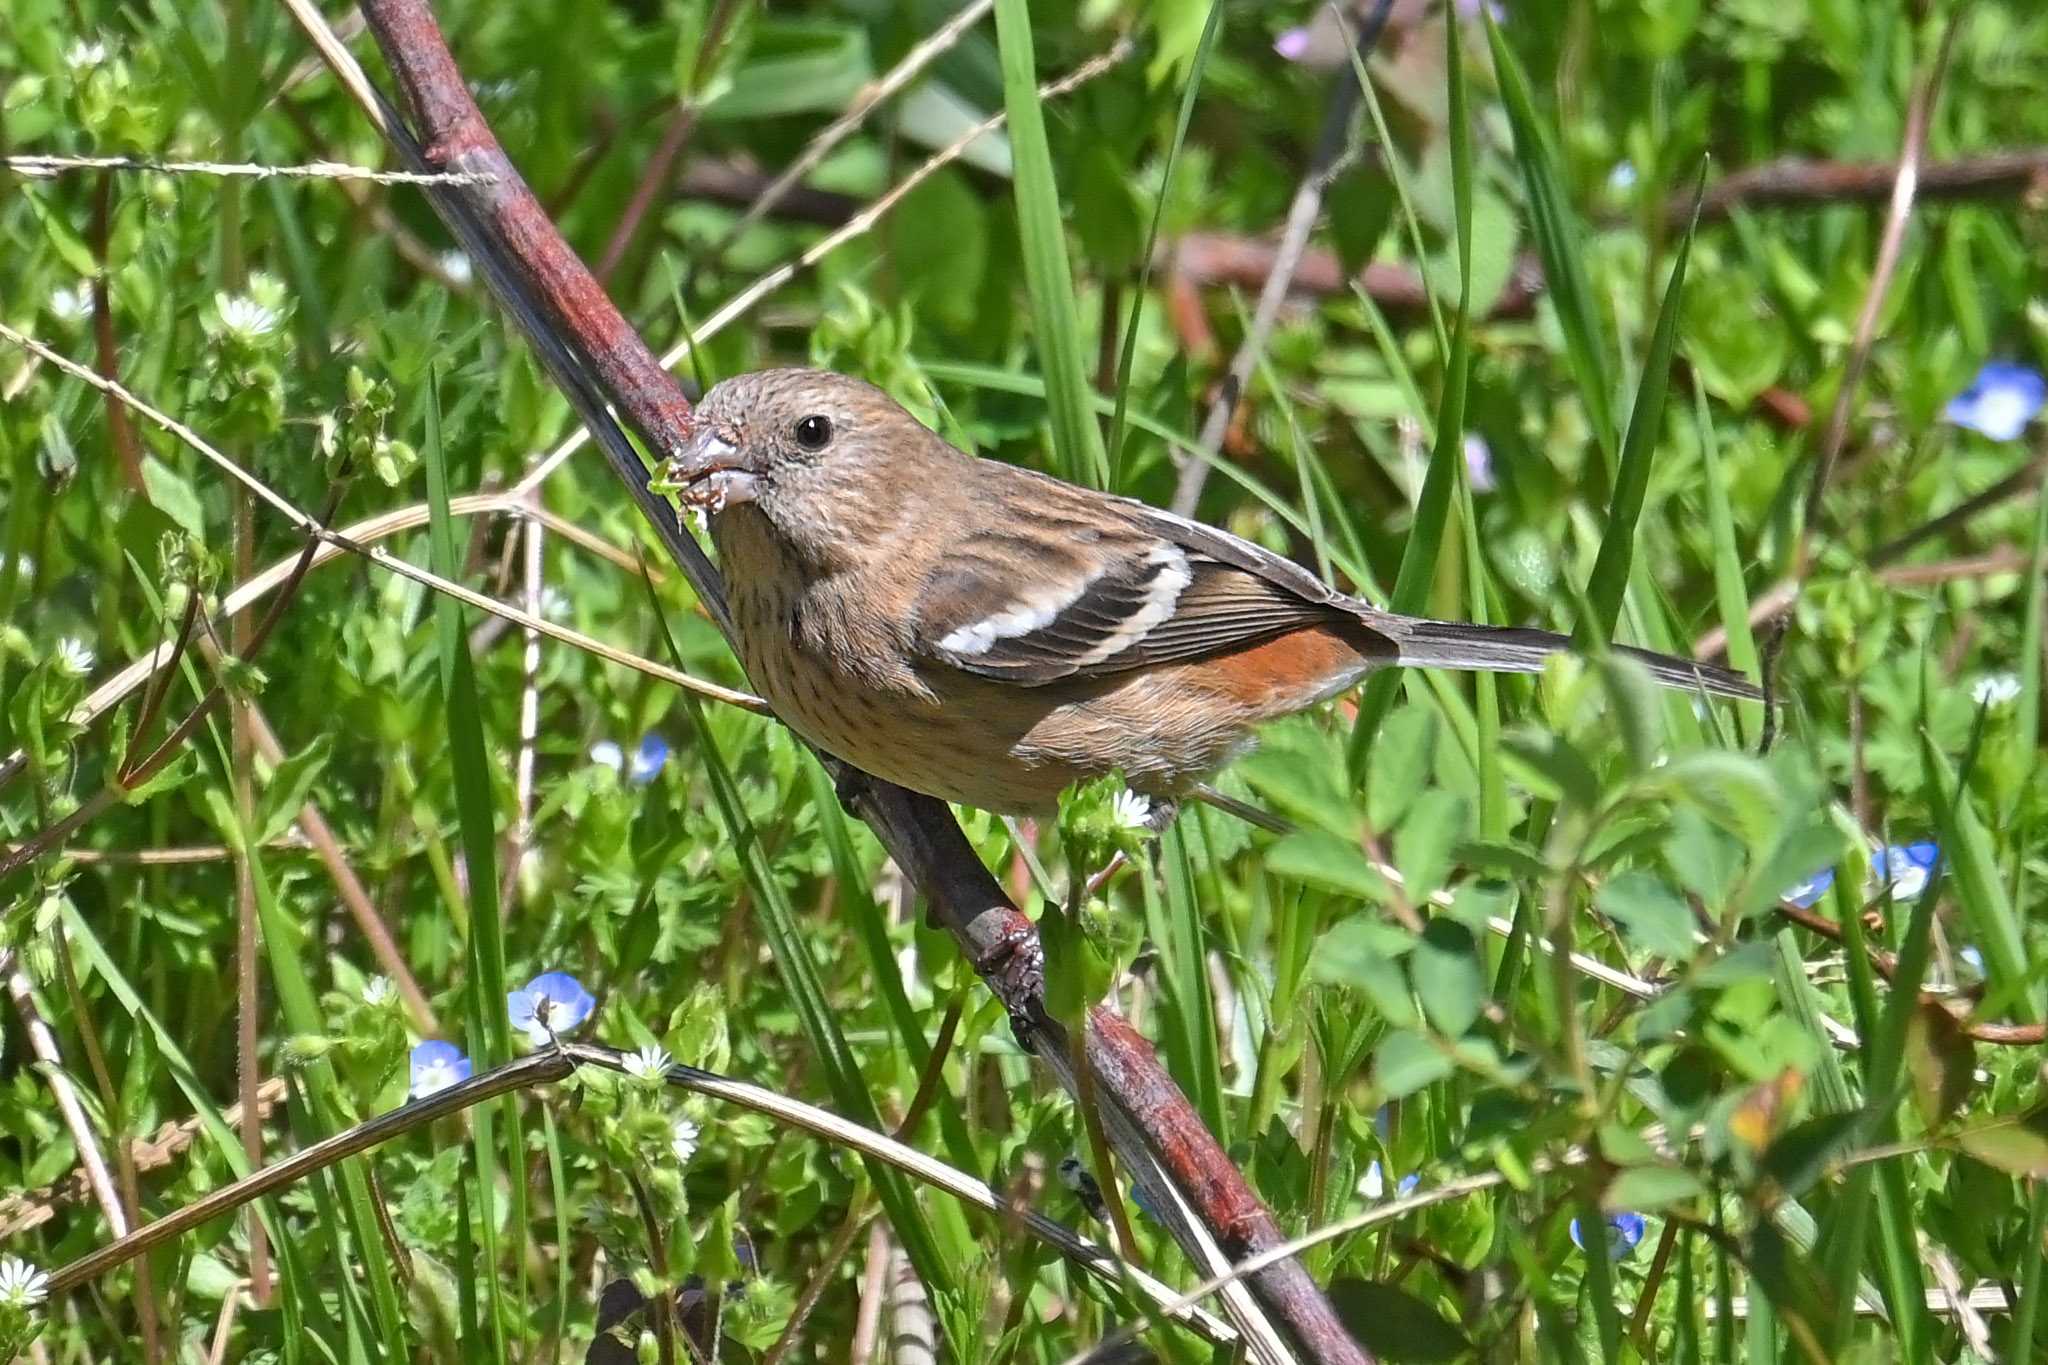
x,y
2029,735
1196,71
1188,1032
1048,278
1731,593
2026,1314
869,927
1612,566
799,971
489,1023
1559,244
301,1010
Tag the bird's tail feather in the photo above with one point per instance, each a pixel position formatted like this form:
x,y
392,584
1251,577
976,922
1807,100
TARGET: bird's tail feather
x,y
1515,649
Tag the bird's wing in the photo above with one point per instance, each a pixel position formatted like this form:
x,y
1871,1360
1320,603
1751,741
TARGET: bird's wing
x,y
1085,585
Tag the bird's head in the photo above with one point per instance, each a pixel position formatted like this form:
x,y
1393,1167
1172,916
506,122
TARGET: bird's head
x,y
820,456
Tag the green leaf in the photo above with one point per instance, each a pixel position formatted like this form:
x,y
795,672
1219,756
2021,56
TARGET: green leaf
x,y
1643,1189
1325,860
1734,790
1800,1155
1942,1061
795,67
1653,917
1450,979
290,781
1394,1324
1405,1062
1549,765
1361,953
2019,1147
171,493
1422,848
1403,757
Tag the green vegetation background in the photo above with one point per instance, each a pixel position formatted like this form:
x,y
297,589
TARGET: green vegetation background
x,y
1340,1029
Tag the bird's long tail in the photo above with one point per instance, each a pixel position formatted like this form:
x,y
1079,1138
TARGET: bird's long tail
x,y
1515,649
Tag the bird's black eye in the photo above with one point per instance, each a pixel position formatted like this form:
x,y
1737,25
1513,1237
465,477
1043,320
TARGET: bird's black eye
x,y
814,432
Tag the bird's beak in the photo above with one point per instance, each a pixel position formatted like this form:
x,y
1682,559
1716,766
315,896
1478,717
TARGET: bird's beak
x,y
712,471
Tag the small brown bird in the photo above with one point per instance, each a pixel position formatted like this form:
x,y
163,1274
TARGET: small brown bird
x,y
990,635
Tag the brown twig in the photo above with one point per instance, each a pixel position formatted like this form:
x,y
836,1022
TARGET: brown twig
x,y
660,169
31,1209
107,353
43,1043
1890,247
1799,182
552,297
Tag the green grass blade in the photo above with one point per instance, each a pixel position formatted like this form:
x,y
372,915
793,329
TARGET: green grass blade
x,y
1397,173
1041,230
1425,536
2029,737
1210,28
2033,1280
1559,242
1188,1020
1731,592
1493,782
870,926
490,1026
1611,568
814,1010
1981,893
1445,475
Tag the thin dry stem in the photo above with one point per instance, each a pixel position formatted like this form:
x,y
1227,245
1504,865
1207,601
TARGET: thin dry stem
x,y
40,166
865,102
43,1042
859,225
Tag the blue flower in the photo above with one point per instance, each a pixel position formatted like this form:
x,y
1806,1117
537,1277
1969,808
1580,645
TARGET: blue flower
x,y
647,760
1904,869
1624,1230
436,1066
1373,1184
1810,890
1479,463
2000,401
552,1003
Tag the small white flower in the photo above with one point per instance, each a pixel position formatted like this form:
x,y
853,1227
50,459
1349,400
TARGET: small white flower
x,y
73,657
650,1063
683,1141
554,604
21,1284
74,305
1132,811
243,315
455,265
82,54
1996,689
607,754
379,992
1622,178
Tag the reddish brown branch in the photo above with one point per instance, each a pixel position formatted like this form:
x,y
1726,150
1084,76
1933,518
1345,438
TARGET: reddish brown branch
x,y
1797,182
524,260
1886,964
